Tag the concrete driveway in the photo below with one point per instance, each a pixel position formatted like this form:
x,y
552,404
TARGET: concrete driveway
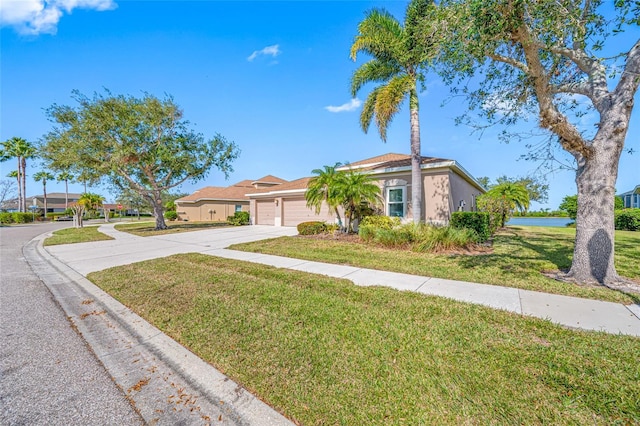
x,y
127,248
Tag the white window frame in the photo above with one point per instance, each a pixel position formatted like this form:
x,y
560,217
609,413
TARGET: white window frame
x,y
235,209
404,200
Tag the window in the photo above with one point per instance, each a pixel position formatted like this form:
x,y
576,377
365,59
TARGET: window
x,y
395,202
238,207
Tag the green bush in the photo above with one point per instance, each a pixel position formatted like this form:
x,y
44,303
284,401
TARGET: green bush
x,y
17,217
627,219
312,228
6,217
477,221
171,215
395,237
370,225
238,218
446,238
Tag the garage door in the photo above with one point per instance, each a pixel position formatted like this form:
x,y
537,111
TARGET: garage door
x,y
295,211
265,212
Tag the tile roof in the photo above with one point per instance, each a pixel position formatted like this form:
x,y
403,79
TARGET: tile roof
x,y
269,179
378,159
298,184
388,161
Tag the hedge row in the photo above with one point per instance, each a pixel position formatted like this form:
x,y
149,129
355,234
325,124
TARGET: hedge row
x,y
477,221
627,219
16,217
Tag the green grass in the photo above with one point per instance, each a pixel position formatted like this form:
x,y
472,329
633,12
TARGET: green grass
x,y
76,235
323,351
520,255
147,229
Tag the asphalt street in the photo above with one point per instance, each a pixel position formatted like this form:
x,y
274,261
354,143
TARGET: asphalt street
x,y
48,374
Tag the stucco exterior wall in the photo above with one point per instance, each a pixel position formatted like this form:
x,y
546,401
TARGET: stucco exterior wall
x,y
199,211
461,190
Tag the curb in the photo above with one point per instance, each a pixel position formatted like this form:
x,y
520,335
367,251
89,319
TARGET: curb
x,y
166,383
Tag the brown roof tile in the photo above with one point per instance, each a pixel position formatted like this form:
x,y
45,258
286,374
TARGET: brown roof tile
x,y
379,159
269,179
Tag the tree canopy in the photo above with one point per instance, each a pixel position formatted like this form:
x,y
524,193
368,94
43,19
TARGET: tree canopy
x,y
142,144
554,60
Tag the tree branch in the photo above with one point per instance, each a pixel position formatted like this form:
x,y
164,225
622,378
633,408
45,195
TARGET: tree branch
x,y
510,61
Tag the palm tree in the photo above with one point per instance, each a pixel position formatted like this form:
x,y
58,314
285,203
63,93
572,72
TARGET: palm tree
x,y
399,56
66,177
21,150
355,190
510,196
16,175
322,189
91,201
43,176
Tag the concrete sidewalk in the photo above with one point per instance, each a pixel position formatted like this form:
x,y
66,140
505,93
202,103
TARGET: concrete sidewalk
x,y
572,312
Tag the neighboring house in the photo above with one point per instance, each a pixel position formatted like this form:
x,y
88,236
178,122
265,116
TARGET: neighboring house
x,y
447,187
631,199
55,202
214,203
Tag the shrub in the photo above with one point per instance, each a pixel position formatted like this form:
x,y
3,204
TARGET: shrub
x,y
312,228
627,219
477,221
370,225
171,215
395,237
6,217
238,218
446,238
17,217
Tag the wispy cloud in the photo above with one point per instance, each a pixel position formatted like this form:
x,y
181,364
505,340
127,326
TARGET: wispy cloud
x,y
352,105
267,51
33,17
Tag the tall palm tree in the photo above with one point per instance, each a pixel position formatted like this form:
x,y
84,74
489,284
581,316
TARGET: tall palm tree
x,y
66,177
21,150
354,190
322,189
43,176
16,175
399,55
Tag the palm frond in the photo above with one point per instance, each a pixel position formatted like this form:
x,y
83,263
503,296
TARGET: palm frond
x,y
373,71
389,99
368,109
379,35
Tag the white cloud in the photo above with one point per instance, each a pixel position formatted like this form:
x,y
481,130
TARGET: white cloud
x,y
33,17
269,50
349,106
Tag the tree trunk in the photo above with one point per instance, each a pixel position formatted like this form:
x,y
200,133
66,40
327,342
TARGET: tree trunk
x,y
66,194
594,246
19,192
158,211
24,184
44,194
416,158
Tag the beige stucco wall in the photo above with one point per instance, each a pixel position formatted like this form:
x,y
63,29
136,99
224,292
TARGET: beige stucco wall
x,y
199,211
462,190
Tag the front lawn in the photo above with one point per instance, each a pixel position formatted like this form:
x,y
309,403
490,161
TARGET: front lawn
x,y
148,229
324,351
520,255
76,235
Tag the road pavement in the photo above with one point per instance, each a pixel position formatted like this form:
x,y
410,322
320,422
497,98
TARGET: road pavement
x,y
48,374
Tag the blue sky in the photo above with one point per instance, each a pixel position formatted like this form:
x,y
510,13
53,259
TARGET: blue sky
x,y
263,74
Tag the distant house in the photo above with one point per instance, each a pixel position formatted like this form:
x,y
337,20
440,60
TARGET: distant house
x,y
631,199
215,203
55,202
447,187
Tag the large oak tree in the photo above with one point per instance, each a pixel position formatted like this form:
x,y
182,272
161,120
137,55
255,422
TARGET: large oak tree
x,y
553,59
142,144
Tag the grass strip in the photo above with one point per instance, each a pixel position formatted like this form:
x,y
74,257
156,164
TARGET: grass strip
x,y
148,229
323,351
76,235
520,255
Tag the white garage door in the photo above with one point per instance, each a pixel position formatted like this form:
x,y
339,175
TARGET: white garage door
x,y
265,212
295,211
